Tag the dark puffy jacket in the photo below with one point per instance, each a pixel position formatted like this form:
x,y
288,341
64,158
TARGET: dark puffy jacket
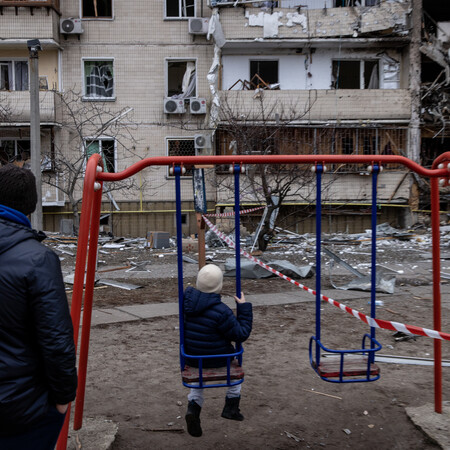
x,y
37,352
210,326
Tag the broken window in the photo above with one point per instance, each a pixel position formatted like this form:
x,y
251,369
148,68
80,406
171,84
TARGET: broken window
x,y
181,79
14,75
181,147
99,79
180,8
355,74
106,148
263,72
96,9
14,150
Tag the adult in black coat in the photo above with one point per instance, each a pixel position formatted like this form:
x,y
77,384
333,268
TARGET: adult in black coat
x,y
209,329
38,376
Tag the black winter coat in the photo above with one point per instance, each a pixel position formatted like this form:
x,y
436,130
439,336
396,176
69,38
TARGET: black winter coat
x,y
37,352
210,326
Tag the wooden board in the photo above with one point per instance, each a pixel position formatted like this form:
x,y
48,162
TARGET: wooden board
x,y
191,375
352,368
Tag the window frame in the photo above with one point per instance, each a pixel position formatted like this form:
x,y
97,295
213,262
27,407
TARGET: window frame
x,y
362,62
15,140
85,97
179,138
12,62
166,74
179,17
267,60
97,18
100,139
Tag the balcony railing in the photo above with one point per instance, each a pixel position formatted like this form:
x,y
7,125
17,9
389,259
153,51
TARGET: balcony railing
x,y
53,4
17,106
317,105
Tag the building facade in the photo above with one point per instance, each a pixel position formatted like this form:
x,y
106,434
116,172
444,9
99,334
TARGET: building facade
x,y
132,80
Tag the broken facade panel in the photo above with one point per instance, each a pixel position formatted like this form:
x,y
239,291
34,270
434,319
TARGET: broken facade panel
x,y
326,76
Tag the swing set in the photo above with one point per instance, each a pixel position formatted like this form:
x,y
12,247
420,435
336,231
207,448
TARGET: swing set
x,y
349,366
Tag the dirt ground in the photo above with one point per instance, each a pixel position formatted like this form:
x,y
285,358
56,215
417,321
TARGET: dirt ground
x,y
133,375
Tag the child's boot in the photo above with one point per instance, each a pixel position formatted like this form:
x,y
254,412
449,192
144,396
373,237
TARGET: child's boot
x,y
231,409
193,419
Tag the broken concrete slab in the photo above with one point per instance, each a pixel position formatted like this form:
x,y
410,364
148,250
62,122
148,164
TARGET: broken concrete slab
x,y
435,426
97,433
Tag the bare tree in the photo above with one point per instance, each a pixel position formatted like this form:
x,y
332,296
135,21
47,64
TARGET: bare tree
x,y
84,124
265,129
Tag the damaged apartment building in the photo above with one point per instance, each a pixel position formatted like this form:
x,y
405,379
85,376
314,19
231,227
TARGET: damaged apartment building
x,y
132,80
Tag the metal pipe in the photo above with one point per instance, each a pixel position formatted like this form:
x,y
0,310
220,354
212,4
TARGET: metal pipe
x,y
177,173
319,170
436,294
373,273
87,310
272,159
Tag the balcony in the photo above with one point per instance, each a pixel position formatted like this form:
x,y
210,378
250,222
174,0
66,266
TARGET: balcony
x,y
17,103
302,106
282,27
22,20
49,4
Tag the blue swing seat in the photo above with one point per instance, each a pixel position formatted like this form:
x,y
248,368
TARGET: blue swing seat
x,y
354,365
192,374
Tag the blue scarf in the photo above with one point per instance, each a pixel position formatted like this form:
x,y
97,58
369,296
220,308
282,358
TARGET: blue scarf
x,y
14,216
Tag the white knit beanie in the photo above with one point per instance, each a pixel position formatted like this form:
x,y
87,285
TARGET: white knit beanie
x,y
210,279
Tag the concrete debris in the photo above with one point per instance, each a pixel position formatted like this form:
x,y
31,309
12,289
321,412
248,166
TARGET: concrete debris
x,y
250,269
139,266
189,260
384,280
117,284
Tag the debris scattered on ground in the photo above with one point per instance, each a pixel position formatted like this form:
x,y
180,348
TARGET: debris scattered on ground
x,y
114,283
292,436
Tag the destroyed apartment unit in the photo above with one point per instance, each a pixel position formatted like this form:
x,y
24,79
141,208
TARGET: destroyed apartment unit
x,y
203,77
318,80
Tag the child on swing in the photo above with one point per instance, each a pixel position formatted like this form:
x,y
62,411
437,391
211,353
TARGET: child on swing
x,y
210,327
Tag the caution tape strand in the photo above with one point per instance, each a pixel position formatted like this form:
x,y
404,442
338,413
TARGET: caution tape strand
x,y
375,323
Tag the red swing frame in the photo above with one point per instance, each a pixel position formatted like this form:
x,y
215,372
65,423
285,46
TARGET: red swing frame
x,y
90,221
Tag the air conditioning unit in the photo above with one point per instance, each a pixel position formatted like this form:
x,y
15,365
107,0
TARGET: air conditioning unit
x,y
174,106
70,26
197,105
203,144
198,25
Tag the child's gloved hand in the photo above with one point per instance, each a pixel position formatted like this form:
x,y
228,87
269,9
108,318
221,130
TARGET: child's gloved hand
x,y
240,300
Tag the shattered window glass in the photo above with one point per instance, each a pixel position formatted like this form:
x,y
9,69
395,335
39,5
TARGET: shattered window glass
x,y
181,79
106,148
99,79
97,8
14,150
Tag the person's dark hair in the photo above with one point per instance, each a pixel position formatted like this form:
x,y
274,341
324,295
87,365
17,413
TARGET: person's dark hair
x,y
18,188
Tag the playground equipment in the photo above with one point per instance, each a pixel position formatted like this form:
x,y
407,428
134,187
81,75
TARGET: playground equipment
x,y
359,365
88,241
197,377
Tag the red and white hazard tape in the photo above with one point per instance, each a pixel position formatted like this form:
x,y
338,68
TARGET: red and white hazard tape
x,y
376,323
230,214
